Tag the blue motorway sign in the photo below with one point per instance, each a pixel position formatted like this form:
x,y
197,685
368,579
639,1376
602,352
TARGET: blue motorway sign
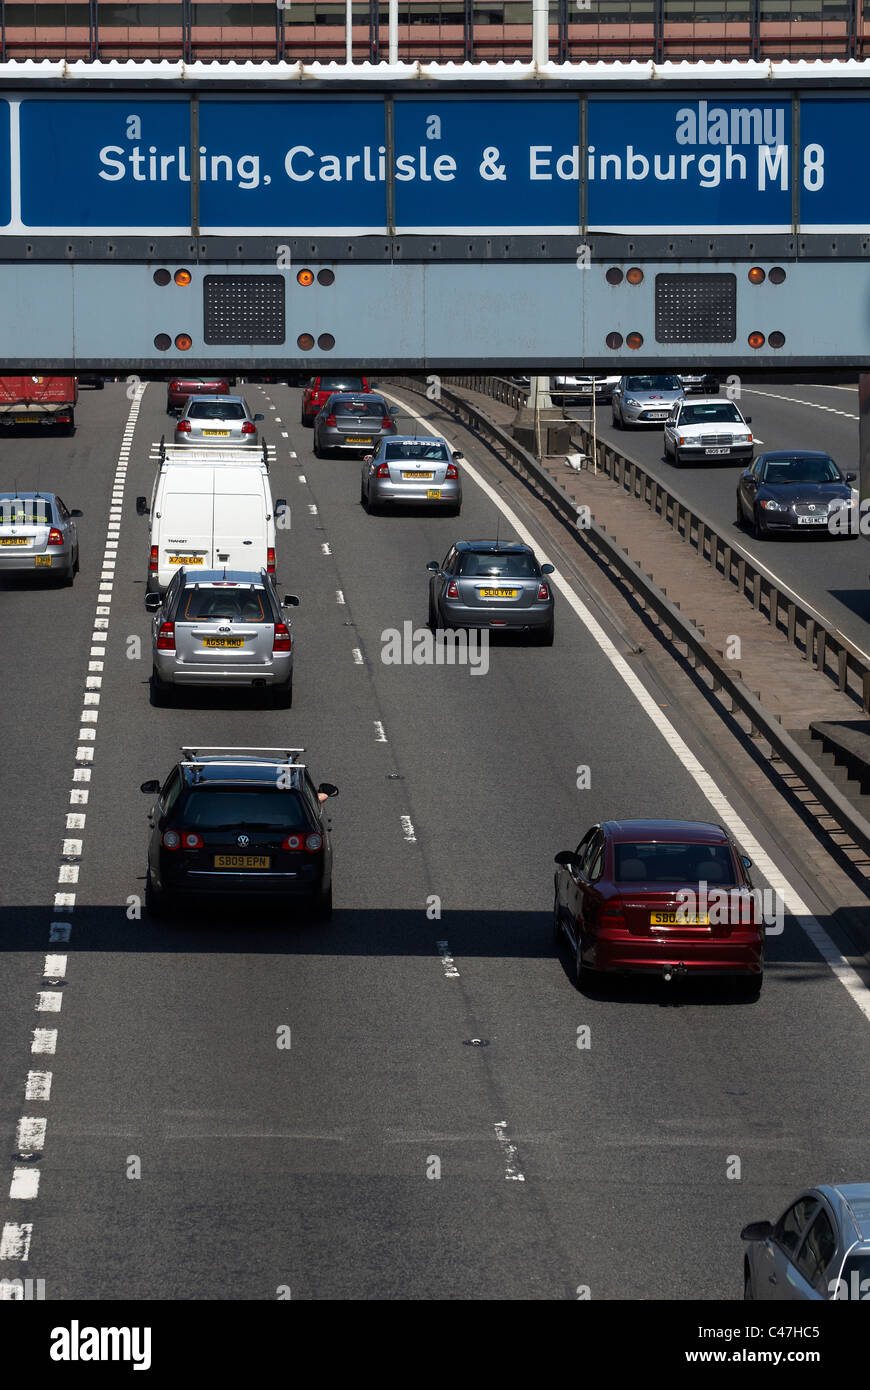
x,y
506,163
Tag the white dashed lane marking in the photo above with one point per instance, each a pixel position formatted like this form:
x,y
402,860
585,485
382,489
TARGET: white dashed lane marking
x,y
447,961
408,830
510,1156
380,736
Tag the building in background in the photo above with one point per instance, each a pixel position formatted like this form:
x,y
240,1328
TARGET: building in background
x,y
459,30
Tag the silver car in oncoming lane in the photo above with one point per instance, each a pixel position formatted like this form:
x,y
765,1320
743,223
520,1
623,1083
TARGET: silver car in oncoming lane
x,y
38,533
412,471
644,398
818,1250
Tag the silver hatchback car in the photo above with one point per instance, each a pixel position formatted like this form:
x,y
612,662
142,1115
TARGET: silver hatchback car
x,y
221,628
818,1250
412,471
217,420
38,533
644,399
492,584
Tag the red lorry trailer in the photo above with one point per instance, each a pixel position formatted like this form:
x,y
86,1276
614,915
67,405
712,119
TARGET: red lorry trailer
x,y
48,401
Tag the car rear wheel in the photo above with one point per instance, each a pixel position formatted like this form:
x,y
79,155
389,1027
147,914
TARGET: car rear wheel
x,y
159,691
157,904
584,978
433,615
316,446
544,637
282,695
748,1295
557,925
749,986
321,909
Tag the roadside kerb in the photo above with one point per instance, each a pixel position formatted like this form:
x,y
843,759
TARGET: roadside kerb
x,y
681,628
827,649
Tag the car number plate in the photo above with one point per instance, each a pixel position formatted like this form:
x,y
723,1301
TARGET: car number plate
x,y
726,450
498,593
356,439
14,540
218,434
223,641
657,415
415,477
26,419
42,560
676,919
434,492
185,559
812,521
242,861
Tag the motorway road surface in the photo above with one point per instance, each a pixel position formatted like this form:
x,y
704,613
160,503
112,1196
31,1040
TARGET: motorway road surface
x,y
310,1168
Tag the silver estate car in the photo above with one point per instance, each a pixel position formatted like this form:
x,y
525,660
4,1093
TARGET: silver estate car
x,y
218,420
38,533
644,399
492,584
221,628
349,424
818,1250
416,471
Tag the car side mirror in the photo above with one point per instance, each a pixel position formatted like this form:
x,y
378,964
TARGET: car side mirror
x,y
457,455
152,602
850,478
394,410
433,566
746,861
328,789
141,506
567,858
259,417
77,512
748,419
290,600
548,569
757,1230
152,787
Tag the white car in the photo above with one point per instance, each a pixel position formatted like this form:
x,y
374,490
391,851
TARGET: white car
x,y
577,390
707,427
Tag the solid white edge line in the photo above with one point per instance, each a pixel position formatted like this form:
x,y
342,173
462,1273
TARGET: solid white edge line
x,y
793,902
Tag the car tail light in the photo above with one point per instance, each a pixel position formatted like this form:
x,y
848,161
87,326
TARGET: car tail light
x,y
294,842
166,637
171,839
313,843
330,420
54,537
452,471
452,590
612,914
387,422
270,560
152,563
282,641
190,839
249,427
382,470
544,591
183,427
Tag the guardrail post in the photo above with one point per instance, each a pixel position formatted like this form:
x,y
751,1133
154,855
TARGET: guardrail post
x,y
810,640
773,605
756,591
865,692
821,648
842,668
726,561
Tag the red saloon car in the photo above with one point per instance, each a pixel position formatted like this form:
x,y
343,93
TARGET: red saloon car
x,y
320,388
660,896
181,388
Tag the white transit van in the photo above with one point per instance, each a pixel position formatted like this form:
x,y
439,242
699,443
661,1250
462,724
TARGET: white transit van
x,y
213,510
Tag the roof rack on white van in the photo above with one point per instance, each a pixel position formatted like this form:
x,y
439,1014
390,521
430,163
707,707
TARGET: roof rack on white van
x,y
213,454
238,754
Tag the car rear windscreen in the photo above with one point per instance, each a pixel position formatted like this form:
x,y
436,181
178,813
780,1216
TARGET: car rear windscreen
x,y
216,410
416,449
674,863
236,605
373,408
341,383
254,808
25,511
484,566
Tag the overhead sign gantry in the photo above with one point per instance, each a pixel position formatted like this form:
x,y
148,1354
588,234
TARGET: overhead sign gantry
x,y
425,217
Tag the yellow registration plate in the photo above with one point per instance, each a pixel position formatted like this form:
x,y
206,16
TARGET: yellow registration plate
x,y
498,593
417,477
218,434
223,641
433,492
356,439
185,559
242,861
677,919
26,419
42,560
14,540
